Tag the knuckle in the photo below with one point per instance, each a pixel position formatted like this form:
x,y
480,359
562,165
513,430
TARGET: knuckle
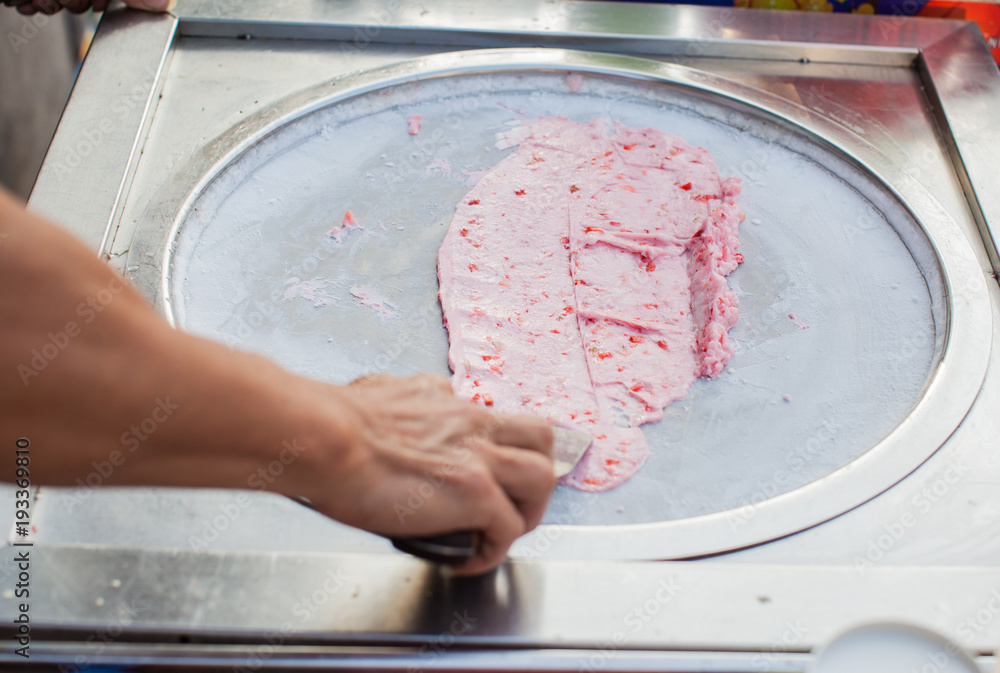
x,y
478,478
542,473
533,469
485,421
370,381
434,382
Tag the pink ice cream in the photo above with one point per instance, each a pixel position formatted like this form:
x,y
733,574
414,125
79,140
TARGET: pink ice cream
x,y
583,279
347,224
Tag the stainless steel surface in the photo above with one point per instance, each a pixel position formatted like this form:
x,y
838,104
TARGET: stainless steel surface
x,y
568,447
946,513
178,254
96,148
314,599
634,28
964,89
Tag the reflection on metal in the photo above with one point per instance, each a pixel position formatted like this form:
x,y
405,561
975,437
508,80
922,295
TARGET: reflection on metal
x,y
313,603
963,87
633,29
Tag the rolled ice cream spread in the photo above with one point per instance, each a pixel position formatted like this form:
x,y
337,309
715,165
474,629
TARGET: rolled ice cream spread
x,y
583,279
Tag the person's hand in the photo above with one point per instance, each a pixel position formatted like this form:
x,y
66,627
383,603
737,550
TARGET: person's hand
x,y
421,462
30,7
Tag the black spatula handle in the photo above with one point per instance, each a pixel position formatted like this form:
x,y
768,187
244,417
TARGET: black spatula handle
x,y
449,549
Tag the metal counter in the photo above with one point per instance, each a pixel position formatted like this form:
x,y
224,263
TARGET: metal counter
x,y
875,497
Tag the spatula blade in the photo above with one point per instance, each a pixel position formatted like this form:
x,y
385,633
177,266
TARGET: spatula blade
x,y
568,448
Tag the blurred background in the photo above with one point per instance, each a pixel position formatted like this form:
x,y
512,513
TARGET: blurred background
x,y
40,55
39,58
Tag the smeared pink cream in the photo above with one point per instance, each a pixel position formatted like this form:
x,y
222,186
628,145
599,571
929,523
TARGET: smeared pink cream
x,y
313,291
369,297
440,164
798,323
583,279
347,224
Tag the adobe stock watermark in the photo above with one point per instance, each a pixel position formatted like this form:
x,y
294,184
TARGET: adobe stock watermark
x,y
365,35
544,536
753,168
106,635
781,479
921,504
940,660
790,637
31,25
58,341
635,620
424,147
889,25
304,608
417,496
231,510
974,624
131,440
433,648
138,95
712,31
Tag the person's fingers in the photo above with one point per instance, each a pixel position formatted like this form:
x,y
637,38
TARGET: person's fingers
x,y
364,381
481,471
77,6
464,493
29,7
49,7
525,476
498,531
522,431
526,482
152,5
434,384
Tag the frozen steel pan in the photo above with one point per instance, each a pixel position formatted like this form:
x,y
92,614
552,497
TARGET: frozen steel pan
x,y
864,330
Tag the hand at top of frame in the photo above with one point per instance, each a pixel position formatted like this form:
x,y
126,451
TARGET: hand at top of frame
x,y
30,7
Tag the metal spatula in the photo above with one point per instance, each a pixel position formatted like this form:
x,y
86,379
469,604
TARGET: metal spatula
x,y
456,548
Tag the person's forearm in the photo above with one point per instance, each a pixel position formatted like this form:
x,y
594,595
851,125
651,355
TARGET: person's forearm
x,y
93,377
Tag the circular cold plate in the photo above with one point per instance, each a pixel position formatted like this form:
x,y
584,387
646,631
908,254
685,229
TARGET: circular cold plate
x,y
864,325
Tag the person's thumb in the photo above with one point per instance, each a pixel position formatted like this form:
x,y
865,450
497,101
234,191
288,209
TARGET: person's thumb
x,y
152,5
